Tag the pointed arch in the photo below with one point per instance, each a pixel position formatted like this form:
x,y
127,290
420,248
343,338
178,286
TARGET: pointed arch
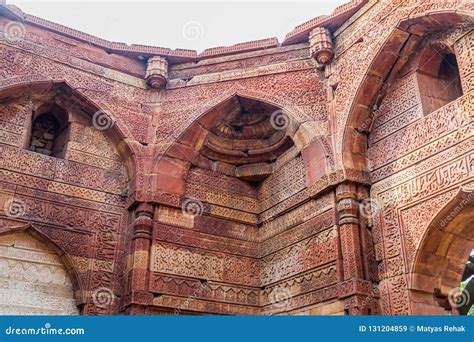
x,y
382,72
172,166
115,129
441,256
44,251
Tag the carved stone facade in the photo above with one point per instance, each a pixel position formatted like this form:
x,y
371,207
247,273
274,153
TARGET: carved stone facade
x,y
34,280
331,173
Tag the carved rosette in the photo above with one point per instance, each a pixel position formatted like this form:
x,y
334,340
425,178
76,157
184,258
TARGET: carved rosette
x,y
157,72
320,45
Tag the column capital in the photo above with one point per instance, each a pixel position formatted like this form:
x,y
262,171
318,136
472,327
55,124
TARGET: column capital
x,y
143,222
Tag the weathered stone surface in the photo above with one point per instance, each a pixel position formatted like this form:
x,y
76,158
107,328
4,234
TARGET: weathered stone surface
x,y
34,280
250,179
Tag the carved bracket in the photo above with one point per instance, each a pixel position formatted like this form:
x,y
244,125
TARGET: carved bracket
x,y
321,46
157,72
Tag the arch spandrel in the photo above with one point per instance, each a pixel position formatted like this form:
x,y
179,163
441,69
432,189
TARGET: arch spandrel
x,y
387,60
181,154
441,255
410,164
78,201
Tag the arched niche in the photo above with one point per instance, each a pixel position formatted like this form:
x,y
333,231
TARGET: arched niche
x,y
49,130
438,78
240,137
35,276
441,257
402,43
59,98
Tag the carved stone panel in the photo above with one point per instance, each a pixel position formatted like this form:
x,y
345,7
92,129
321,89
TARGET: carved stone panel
x,y
33,279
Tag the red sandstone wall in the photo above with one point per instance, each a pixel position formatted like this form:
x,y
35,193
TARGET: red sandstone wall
x,y
295,242
77,202
419,162
419,158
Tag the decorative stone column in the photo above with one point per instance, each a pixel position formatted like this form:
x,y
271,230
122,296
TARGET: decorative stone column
x,y
139,297
355,290
320,46
157,72
348,213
